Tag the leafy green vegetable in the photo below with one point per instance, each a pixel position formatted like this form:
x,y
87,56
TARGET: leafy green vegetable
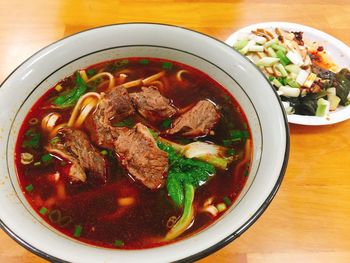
x,y
128,122
187,215
69,98
175,190
184,176
184,171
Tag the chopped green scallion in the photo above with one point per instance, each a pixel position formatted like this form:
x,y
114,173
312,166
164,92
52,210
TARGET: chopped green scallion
x,y
283,58
279,47
77,230
282,80
118,243
43,211
37,163
104,152
55,140
29,132
245,173
29,188
240,44
144,61
33,139
221,207
227,201
91,72
167,65
46,158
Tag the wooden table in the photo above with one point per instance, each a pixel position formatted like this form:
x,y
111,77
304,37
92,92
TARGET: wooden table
x,y
309,219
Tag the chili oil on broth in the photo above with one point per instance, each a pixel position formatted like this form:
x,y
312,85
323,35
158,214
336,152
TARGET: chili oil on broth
x,y
92,213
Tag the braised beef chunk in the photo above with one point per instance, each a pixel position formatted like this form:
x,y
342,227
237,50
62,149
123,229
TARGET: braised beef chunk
x,y
116,104
113,107
152,105
100,134
138,152
199,120
76,147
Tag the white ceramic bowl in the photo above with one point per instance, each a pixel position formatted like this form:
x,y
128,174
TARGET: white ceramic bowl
x,y
336,49
251,89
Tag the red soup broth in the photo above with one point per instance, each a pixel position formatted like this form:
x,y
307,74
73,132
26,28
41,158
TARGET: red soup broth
x,y
102,215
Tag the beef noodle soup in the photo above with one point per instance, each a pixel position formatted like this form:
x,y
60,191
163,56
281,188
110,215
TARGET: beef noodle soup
x,y
133,153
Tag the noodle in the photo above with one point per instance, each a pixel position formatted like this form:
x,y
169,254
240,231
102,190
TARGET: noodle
x,y
180,73
97,76
131,84
49,121
152,78
84,113
77,107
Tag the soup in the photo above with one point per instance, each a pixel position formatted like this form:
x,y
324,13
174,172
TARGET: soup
x,y
133,153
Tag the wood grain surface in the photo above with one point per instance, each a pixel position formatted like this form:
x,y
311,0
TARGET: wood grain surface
x,y
309,219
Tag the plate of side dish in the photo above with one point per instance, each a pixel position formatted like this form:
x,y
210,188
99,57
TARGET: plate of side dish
x,y
308,68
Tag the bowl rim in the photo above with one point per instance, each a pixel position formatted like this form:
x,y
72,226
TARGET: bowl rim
x,y
253,218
